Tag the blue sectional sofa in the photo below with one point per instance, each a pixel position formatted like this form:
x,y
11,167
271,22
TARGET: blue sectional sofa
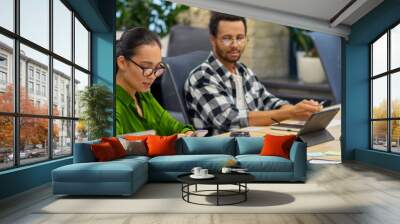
x,y
125,176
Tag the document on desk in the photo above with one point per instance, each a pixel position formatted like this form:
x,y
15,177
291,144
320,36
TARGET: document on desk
x,y
253,128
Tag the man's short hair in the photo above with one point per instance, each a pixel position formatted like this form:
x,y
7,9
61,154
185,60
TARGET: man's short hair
x,y
216,17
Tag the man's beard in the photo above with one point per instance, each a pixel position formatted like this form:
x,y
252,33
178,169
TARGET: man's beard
x,y
224,55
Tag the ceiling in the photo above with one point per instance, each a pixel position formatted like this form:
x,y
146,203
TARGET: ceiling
x,y
327,16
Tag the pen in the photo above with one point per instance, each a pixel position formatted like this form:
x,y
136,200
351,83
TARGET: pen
x,y
276,121
323,102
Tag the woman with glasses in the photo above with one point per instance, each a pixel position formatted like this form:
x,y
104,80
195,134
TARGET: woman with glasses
x,y
138,65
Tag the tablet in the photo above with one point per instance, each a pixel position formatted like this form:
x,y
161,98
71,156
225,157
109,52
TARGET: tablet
x,y
319,121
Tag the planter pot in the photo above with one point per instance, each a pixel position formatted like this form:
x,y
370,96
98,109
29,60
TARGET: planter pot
x,y
310,69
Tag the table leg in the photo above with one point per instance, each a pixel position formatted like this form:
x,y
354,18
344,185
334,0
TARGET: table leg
x,y
245,193
217,194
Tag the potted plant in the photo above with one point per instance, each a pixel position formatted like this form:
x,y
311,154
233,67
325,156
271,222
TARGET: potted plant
x,y
309,65
96,103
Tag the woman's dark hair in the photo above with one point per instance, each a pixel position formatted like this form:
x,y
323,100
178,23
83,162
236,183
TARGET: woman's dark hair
x,y
133,38
216,17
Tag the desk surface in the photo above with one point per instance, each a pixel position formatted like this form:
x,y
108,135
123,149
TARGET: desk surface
x,y
326,151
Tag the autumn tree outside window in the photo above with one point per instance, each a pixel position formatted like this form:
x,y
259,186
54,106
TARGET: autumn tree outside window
x,y
385,92
44,64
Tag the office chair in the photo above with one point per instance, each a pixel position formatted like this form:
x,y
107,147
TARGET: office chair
x,y
172,83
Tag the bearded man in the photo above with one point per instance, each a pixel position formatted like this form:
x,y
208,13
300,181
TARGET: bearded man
x,y
223,94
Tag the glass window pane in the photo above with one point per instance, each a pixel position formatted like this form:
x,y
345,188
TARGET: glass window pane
x,y
6,74
62,29
395,94
81,131
379,55
395,47
81,45
62,138
6,142
35,21
395,136
34,97
62,89
379,135
379,97
33,139
7,14
81,81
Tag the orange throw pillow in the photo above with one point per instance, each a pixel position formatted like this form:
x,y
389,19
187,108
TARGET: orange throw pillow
x,y
136,137
103,151
161,145
277,145
116,145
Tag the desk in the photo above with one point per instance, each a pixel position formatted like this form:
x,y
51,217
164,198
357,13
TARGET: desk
x,y
326,151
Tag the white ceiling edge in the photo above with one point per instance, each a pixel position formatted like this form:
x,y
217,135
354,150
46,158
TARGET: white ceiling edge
x,y
269,15
348,12
362,11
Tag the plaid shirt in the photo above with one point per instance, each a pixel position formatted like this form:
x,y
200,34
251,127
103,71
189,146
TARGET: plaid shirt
x,y
211,96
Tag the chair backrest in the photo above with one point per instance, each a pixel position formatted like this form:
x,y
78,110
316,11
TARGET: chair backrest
x,y
172,83
186,39
329,50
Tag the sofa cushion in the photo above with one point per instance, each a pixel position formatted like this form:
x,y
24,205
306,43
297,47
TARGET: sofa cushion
x,y
103,152
277,145
83,152
257,163
112,171
116,145
249,145
136,137
131,158
185,163
136,147
207,145
161,145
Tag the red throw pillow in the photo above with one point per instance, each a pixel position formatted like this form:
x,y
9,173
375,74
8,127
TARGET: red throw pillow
x,y
103,151
277,145
116,145
161,145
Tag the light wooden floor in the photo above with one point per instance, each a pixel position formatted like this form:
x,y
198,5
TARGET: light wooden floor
x,y
379,189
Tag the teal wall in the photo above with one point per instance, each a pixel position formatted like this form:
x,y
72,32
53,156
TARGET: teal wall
x,y
24,178
355,126
103,66
99,16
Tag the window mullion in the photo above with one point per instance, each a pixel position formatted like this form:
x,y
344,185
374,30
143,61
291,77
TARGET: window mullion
x,y
389,101
16,83
371,98
50,81
73,82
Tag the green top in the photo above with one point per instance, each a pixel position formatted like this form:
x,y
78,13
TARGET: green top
x,y
154,116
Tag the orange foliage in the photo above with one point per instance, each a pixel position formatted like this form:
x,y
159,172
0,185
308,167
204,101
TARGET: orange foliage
x,y
33,130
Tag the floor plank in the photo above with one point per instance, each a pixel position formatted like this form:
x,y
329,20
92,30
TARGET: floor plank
x,y
376,189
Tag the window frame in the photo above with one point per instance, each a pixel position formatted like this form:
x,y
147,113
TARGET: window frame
x,y
388,74
16,114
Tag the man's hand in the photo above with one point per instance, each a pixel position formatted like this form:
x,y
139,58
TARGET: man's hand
x,y
304,109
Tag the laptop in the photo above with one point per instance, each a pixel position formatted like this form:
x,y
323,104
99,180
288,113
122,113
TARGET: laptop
x,y
313,131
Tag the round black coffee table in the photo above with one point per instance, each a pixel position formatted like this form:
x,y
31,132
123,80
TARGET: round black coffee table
x,y
238,179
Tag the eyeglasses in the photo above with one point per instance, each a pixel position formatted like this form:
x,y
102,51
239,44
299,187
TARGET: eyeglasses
x,y
228,41
158,71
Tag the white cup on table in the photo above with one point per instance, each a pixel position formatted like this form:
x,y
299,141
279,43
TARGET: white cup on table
x,y
196,171
203,172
